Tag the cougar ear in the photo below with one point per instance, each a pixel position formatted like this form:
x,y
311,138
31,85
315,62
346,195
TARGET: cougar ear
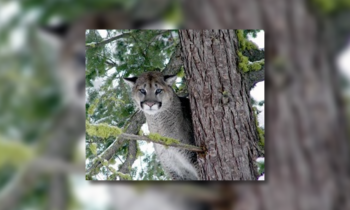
x,y
130,81
170,79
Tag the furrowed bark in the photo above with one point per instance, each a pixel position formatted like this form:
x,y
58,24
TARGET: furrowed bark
x,y
222,115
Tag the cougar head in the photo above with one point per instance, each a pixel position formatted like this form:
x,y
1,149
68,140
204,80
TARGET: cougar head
x,y
152,91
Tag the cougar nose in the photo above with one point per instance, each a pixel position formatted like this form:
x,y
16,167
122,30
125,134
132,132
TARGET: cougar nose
x,y
150,104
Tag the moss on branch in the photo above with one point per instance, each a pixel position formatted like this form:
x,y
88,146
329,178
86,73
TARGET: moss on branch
x,y
102,130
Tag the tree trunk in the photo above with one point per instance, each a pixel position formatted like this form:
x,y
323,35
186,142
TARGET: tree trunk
x,y
223,117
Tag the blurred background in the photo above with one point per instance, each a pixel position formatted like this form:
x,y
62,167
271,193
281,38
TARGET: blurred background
x,y
307,104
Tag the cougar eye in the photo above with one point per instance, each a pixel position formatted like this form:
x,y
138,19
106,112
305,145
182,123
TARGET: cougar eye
x,y
143,91
159,91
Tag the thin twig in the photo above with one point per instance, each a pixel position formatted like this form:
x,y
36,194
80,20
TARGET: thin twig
x,y
98,44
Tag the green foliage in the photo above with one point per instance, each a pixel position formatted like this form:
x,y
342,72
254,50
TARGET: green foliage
x,y
243,62
87,177
241,39
93,148
254,66
141,51
123,176
112,161
181,73
253,101
245,44
253,33
261,103
261,131
92,107
139,153
261,134
153,169
105,162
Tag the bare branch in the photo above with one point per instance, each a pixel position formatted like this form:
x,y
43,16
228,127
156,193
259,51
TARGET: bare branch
x,y
99,44
253,77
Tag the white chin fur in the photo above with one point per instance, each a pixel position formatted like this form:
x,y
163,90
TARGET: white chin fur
x,y
149,110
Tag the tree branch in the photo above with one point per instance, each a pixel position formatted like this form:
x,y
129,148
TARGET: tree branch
x,y
253,77
99,44
155,37
130,159
140,48
171,144
132,126
254,54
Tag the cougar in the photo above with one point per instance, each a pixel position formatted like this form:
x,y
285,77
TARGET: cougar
x,y
170,116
